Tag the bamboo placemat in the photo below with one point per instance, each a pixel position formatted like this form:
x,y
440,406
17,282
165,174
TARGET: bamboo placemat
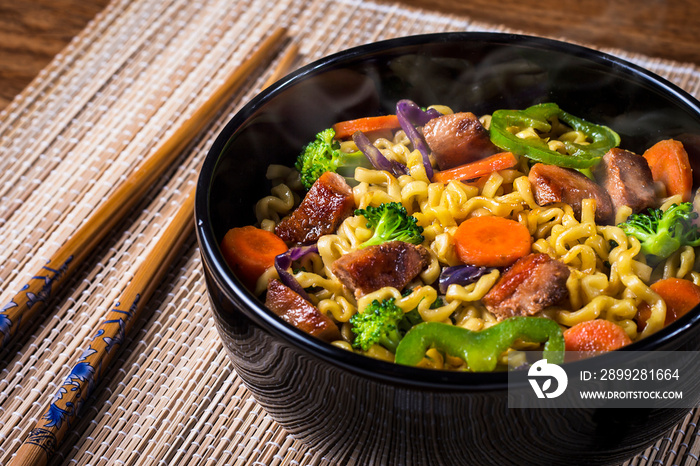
x,y
137,71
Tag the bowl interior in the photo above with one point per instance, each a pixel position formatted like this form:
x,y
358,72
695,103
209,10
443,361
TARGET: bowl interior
x,y
476,72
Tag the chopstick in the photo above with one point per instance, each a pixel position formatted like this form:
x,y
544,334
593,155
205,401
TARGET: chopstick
x,y
32,298
48,432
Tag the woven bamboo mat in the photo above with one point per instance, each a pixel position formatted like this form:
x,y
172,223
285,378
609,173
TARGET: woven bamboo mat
x,y
138,70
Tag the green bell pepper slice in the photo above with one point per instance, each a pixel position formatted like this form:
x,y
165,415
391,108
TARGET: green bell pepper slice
x,y
580,156
480,349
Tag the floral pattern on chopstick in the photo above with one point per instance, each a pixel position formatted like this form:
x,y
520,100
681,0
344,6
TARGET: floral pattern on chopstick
x,y
6,324
11,314
78,385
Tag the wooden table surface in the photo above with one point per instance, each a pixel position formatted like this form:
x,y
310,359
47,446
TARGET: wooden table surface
x,y
32,32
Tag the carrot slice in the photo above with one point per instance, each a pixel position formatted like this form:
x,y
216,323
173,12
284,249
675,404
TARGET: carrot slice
x,y
471,170
595,335
345,129
249,251
491,241
670,165
680,297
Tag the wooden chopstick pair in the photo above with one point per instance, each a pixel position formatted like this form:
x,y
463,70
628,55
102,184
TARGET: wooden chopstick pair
x,y
63,409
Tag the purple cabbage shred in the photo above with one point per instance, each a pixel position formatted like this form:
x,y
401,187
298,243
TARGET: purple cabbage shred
x,y
460,275
284,261
414,113
376,157
410,114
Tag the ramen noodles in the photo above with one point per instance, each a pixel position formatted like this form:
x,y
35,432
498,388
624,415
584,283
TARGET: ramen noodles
x,y
608,276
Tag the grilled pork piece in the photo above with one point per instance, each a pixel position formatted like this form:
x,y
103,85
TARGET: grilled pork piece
x,y
555,184
294,309
394,263
457,139
326,205
533,283
627,178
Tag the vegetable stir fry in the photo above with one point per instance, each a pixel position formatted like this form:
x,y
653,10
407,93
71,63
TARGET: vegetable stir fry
x,y
448,240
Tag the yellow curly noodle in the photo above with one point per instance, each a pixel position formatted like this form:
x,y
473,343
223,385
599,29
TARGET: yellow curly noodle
x,y
470,316
679,265
282,199
444,109
609,277
669,201
622,214
695,277
485,121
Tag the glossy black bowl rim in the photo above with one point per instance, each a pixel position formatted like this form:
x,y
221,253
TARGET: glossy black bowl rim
x,y
358,364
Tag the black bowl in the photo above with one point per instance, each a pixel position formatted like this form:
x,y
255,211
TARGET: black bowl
x,y
353,408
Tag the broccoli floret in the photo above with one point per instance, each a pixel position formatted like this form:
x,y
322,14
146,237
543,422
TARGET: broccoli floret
x,y
379,323
324,155
391,222
662,233
383,323
410,320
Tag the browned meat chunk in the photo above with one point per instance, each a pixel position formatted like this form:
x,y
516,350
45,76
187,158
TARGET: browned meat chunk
x,y
627,179
533,283
457,139
325,206
555,184
294,309
394,263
